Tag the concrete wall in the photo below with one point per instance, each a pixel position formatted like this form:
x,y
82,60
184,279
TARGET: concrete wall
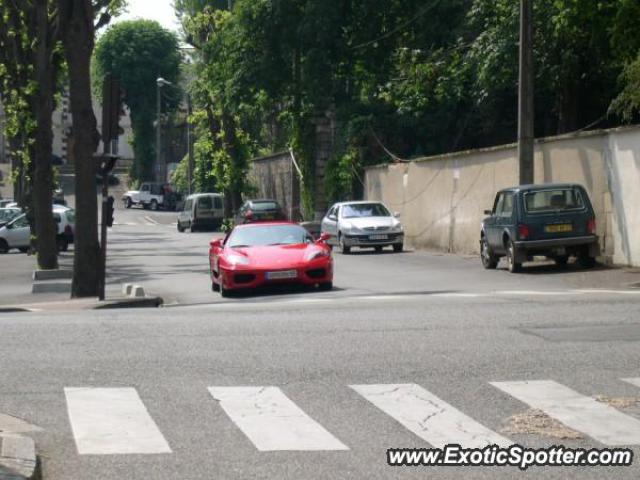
x,y
275,177
441,199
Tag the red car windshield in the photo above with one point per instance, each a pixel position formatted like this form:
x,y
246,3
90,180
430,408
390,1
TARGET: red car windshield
x,y
264,235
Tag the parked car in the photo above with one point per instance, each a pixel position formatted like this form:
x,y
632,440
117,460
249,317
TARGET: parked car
x,y
552,220
17,233
152,195
363,224
8,214
201,210
66,220
259,210
269,253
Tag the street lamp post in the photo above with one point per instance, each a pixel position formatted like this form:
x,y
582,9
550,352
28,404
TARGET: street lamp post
x,y
160,173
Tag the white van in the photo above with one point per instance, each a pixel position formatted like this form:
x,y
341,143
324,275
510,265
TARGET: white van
x,y
201,210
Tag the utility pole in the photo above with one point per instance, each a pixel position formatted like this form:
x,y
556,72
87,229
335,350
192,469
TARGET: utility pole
x,y
111,110
160,167
525,94
189,146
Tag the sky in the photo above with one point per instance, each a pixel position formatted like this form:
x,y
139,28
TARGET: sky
x,y
159,10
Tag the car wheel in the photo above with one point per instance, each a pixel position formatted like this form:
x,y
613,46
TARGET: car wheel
x,y
23,249
154,205
561,260
489,260
4,246
398,247
180,228
128,203
513,266
378,249
326,286
224,292
343,248
193,228
63,244
587,261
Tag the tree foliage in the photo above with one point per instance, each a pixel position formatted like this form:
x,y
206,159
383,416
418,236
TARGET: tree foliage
x,y
138,52
413,78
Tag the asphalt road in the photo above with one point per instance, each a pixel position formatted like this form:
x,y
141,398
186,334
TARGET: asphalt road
x,y
410,350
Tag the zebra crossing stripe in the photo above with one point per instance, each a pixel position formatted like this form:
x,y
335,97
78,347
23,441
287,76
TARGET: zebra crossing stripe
x,y
576,411
108,421
272,421
429,417
632,381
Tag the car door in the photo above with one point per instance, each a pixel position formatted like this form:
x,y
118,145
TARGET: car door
x,y
218,206
18,232
504,218
145,193
490,227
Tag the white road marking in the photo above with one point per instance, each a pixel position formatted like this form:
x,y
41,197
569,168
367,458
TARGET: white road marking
x,y
150,221
458,295
621,292
272,421
428,416
632,381
576,411
538,292
108,421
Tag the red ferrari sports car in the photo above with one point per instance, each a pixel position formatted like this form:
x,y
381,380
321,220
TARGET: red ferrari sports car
x,y
259,254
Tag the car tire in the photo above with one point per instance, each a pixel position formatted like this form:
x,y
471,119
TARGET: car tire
x,y
23,249
4,246
193,228
63,244
561,260
180,228
343,248
325,286
224,292
153,205
398,247
128,203
489,260
586,261
512,265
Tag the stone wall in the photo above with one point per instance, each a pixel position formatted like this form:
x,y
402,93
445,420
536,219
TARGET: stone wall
x,y
441,199
275,177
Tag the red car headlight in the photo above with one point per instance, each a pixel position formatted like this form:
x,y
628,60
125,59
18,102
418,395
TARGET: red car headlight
x,y
315,254
237,260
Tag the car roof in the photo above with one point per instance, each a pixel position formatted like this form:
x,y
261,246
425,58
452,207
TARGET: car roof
x,y
358,202
205,194
540,186
262,200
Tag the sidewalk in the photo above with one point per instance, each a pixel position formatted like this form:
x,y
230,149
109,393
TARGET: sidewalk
x,y
16,284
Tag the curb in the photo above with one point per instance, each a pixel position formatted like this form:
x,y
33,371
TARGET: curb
x,y
140,302
18,459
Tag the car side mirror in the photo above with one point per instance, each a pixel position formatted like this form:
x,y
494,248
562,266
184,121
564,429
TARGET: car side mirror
x,y
215,243
323,238
332,218
488,212
396,214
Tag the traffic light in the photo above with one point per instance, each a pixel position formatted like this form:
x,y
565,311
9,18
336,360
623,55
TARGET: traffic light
x,y
108,214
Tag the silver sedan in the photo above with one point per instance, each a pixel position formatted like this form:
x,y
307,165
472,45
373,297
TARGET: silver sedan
x,y
363,224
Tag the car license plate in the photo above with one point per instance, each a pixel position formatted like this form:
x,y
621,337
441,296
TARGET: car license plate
x,y
561,228
378,237
268,216
282,275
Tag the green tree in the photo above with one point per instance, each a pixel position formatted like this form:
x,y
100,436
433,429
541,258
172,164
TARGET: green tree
x,y
138,52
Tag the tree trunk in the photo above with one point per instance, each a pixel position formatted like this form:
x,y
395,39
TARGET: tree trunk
x,y
45,226
76,25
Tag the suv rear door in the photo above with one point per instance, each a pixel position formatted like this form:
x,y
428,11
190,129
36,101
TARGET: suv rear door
x,y
556,212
